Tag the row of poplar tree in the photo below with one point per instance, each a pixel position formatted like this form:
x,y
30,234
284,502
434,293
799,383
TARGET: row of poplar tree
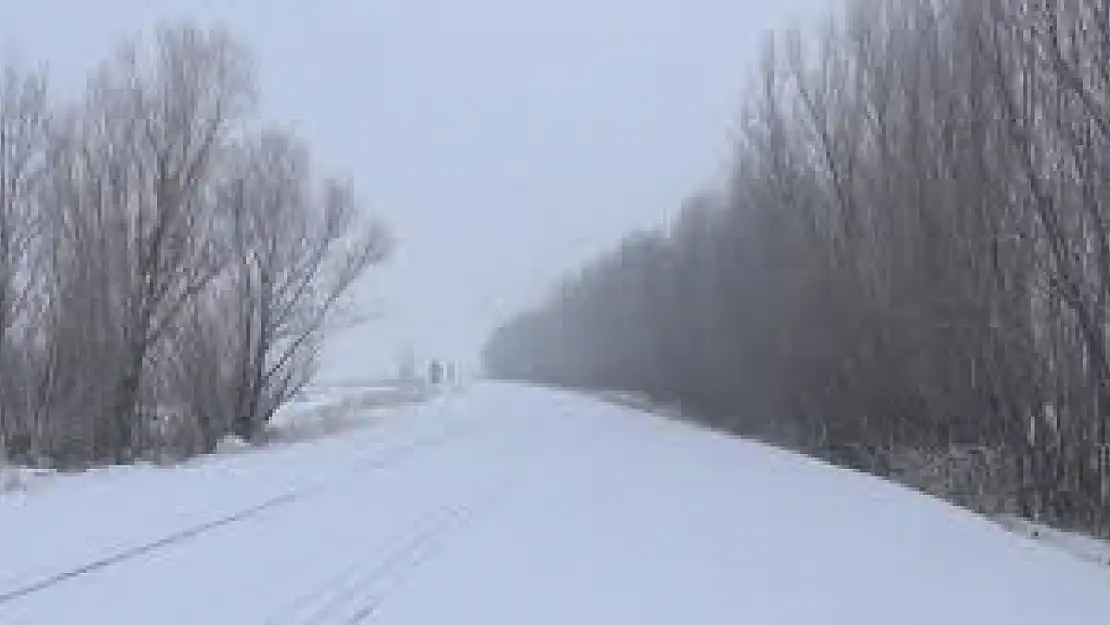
x,y
169,262
912,255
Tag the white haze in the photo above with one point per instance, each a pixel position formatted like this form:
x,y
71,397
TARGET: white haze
x,y
505,142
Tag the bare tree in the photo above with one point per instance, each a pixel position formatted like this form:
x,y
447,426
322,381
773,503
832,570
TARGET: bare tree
x,y
166,276
165,115
24,125
296,248
912,268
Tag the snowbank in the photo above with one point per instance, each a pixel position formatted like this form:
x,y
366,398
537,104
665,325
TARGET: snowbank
x,y
320,412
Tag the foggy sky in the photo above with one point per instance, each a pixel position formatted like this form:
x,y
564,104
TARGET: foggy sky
x,y
504,141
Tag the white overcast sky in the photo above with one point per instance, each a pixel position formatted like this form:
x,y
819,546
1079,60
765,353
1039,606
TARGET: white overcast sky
x,y
505,141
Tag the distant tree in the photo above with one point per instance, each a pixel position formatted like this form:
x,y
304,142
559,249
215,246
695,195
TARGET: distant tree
x,y
910,260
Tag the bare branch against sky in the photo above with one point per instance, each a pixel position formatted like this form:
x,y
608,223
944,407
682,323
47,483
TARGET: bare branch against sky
x,y
504,142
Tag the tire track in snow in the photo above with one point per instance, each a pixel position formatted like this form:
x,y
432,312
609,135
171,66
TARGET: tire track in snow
x,y
336,586
392,578
356,592
386,459
391,581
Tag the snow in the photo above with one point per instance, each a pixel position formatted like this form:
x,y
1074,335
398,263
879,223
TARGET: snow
x,y
1078,545
504,505
329,410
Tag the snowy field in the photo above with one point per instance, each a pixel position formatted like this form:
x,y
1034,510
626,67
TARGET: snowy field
x,y
509,505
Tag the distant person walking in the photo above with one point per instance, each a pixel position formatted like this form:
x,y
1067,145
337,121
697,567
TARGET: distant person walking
x,y
435,372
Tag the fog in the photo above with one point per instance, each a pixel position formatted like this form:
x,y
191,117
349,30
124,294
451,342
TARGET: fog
x,y
879,241
503,142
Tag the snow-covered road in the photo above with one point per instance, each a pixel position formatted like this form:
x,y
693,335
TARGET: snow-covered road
x,y
509,505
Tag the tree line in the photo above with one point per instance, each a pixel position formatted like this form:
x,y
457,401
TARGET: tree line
x,y
908,271
170,263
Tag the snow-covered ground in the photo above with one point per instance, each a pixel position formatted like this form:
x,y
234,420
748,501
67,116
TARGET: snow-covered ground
x,y
1078,545
317,412
327,410
510,505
